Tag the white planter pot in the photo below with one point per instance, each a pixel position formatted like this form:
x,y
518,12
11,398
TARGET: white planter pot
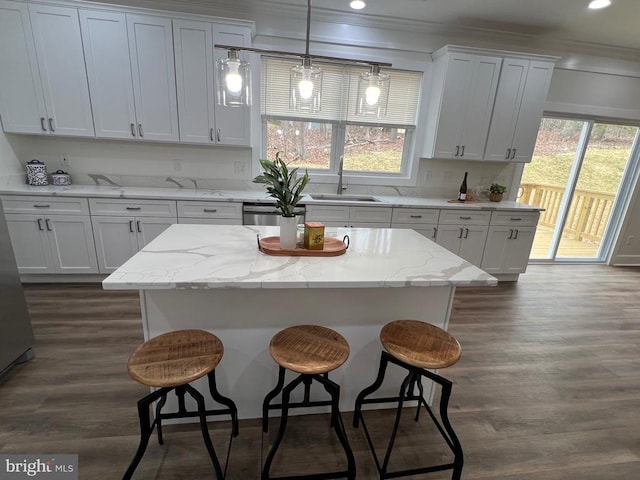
x,y
288,232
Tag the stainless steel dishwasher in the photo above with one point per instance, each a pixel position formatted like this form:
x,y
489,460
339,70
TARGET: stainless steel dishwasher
x,y
261,214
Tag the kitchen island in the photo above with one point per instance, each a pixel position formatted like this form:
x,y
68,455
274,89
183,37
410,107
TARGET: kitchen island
x,y
214,277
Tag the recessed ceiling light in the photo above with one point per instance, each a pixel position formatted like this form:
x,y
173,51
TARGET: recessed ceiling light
x,y
359,4
598,4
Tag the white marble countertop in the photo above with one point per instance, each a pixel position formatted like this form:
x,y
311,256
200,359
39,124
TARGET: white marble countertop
x,y
244,196
227,256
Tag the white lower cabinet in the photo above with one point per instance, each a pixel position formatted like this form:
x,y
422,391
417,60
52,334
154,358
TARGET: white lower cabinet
x,y
509,242
52,243
119,238
466,241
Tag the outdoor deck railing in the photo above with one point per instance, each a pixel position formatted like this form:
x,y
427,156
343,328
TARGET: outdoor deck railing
x,y
588,215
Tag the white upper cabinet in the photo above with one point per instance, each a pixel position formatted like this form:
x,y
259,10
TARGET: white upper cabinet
x,y
21,97
58,44
462,97
519,106
43,82
201,120
154,81
106,50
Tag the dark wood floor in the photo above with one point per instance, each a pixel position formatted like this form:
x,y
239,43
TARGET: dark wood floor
x,y
548,387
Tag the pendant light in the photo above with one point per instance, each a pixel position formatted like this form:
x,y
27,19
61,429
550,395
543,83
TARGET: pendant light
x,y
373,93
305,81
233,80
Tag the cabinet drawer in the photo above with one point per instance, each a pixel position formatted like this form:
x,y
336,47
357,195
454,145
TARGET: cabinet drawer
x,y
139,208
415,215
370,215
192,209
466,217
515,218
44,205
327,214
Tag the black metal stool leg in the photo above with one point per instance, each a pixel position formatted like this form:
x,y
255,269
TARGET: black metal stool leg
x,y
213,389
159,406
421,399
205,430
270,396
146,428
458,461
286,393
370,389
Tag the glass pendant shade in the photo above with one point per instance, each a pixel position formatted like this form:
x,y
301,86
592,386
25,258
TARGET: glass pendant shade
x,y
233,80
305,86
373,93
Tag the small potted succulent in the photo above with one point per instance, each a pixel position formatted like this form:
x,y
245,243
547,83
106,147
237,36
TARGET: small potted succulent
x,y
496,191
286,187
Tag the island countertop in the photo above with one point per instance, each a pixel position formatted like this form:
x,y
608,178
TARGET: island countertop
x,y
227,256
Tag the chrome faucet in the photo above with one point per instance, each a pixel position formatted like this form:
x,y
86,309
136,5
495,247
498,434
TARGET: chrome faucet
x,y
340,166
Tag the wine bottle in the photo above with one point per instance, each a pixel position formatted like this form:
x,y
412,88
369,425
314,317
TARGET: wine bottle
x,y
462,196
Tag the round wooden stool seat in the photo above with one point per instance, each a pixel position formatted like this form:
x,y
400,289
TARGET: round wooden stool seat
x,y
420,344
175,358
309,349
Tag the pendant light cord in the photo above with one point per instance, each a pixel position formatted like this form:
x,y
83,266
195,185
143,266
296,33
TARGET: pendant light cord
x,y
308,26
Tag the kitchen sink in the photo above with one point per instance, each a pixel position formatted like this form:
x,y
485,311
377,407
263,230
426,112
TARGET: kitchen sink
x,y
344,198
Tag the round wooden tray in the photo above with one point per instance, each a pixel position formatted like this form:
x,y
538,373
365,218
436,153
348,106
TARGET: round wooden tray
x,y
332,247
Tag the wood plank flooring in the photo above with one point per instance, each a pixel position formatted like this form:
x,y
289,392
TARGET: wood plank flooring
x,y
548,387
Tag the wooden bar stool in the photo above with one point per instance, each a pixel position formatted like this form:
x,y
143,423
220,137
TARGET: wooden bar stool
x,y
169,362
312,351
415,346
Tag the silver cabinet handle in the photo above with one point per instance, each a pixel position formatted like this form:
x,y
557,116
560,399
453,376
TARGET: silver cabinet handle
x,y
513,153
211,134
134,208
47,222
42,124
415,216
510,234
133,130
462,151
461,232
466,233
465,218
131,226
210,210
140,131
40,224
218,134
457,150
51,125
435,232
41,205
508,154
516,235
138,226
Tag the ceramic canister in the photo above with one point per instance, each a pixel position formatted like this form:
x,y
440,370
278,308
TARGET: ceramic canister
x,y
61,177
37,173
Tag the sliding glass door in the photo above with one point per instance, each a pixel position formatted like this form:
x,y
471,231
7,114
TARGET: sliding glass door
x,y
575,175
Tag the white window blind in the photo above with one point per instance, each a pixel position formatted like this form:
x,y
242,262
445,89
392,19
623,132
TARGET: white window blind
x,y
339,94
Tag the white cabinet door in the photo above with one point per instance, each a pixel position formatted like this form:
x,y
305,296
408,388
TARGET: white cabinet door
x,y
472,243
469,89
116,241
518,109
507,249
22,107
30,243
149,228
62,70
531,110
72,247
193,46
449,236
154,81
232,123
106,50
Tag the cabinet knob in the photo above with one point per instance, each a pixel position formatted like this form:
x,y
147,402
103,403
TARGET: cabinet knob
x,y
457,150
210,210
140,131
510,234
516,235
415,216
133,130
47,222
218,134
41,205
51,125
211,134
466,233
462,151
134,208
43,124
513,153
40,224
131,226
465,218
508,154
138,227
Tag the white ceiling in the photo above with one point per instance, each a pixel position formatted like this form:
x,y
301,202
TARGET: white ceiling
x,y
566,20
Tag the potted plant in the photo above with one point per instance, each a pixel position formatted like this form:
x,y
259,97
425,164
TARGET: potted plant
x,y
286,187
495,192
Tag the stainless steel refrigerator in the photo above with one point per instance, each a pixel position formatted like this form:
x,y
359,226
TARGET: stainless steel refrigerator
x,y
16,336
